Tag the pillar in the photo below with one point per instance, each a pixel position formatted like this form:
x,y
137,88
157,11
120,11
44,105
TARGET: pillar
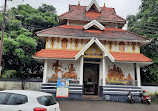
x,y
103,70
45,71
81,70
138,75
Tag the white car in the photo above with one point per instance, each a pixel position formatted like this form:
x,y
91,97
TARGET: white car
x,y
25,100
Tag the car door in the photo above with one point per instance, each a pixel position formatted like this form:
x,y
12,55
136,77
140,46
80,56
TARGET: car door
x,y
48,102
14,102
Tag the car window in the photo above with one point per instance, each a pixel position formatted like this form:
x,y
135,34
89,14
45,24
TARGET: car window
x,y
2,97
46,100
16,99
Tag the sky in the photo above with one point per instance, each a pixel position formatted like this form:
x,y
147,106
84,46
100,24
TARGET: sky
x,y
122,7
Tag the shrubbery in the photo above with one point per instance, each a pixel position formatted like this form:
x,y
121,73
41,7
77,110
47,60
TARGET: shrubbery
x,y
9,74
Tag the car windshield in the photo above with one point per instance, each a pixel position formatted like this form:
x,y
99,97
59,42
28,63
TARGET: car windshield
x,y
46,100
2,97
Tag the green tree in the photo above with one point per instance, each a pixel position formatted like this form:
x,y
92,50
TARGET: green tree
x,y
20,41
146,23
36,19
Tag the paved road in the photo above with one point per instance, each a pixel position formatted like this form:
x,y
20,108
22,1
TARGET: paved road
x,y
105,106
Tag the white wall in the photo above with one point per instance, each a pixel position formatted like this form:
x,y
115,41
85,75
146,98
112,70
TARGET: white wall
x,y
36,86
150,89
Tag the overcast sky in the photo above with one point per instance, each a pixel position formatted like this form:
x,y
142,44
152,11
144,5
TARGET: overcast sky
x,y
122,7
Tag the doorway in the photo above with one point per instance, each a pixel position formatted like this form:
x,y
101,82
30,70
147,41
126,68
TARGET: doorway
x,y
90,79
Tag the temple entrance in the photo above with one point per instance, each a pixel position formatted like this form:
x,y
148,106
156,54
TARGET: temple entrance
x,y
90,79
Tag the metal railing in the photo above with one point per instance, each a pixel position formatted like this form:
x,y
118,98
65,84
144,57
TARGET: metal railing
x,y
71,80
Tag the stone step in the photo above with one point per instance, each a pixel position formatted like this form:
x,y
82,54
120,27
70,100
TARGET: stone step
x,y
92,98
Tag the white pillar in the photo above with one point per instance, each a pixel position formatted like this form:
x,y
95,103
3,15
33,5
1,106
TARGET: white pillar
x,y
103,70
45,71
81,70
138,75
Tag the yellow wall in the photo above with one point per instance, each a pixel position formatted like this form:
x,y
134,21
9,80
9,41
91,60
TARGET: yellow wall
x,y
56,44
93,52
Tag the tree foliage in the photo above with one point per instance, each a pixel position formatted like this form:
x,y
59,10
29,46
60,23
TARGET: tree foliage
x,y
20,42
146,23
36,19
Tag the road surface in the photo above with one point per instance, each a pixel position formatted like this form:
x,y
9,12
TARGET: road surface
x,y
105,106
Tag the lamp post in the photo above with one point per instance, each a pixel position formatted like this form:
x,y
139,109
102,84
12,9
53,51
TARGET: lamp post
x,y
2,29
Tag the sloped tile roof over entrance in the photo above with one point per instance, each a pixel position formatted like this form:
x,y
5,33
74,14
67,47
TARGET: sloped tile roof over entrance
x,y
77,12
132,57
78,31
51,53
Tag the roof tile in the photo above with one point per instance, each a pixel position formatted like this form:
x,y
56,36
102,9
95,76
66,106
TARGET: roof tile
x,y
79,13
133,57
52,53
78,31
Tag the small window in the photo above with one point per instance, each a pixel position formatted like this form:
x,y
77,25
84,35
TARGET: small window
x,y
16,99
2,97
46,100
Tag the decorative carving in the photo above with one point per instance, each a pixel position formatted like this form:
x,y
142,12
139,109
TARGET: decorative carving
x,y
52,45
71,73
71,43
133,46
58,42
122,46
116,76
105,43
76,43
110,46
64,43
56,69
93,52
129,80
81,43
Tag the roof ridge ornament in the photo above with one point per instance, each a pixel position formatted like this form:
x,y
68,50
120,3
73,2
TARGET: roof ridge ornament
x,y
104,4
78,2
93,2
92,23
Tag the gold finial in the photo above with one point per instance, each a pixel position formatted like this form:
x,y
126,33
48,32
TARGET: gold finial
x,y
104,4
78,2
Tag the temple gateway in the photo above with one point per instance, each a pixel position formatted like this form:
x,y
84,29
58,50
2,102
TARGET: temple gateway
x,y
91,49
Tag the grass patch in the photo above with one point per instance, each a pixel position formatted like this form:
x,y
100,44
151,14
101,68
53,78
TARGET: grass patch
x,y
154,97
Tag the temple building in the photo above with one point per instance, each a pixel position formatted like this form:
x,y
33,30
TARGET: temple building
x,y
91,49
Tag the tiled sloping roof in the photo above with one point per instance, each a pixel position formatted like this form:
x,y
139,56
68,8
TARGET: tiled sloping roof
x,y
51,53
92,15
79,13
133,57
78,31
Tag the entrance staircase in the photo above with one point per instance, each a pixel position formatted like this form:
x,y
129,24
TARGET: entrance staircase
x,y
92,98
75,90
119,93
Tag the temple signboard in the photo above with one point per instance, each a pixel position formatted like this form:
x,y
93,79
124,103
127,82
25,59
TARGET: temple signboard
x,y
62,88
